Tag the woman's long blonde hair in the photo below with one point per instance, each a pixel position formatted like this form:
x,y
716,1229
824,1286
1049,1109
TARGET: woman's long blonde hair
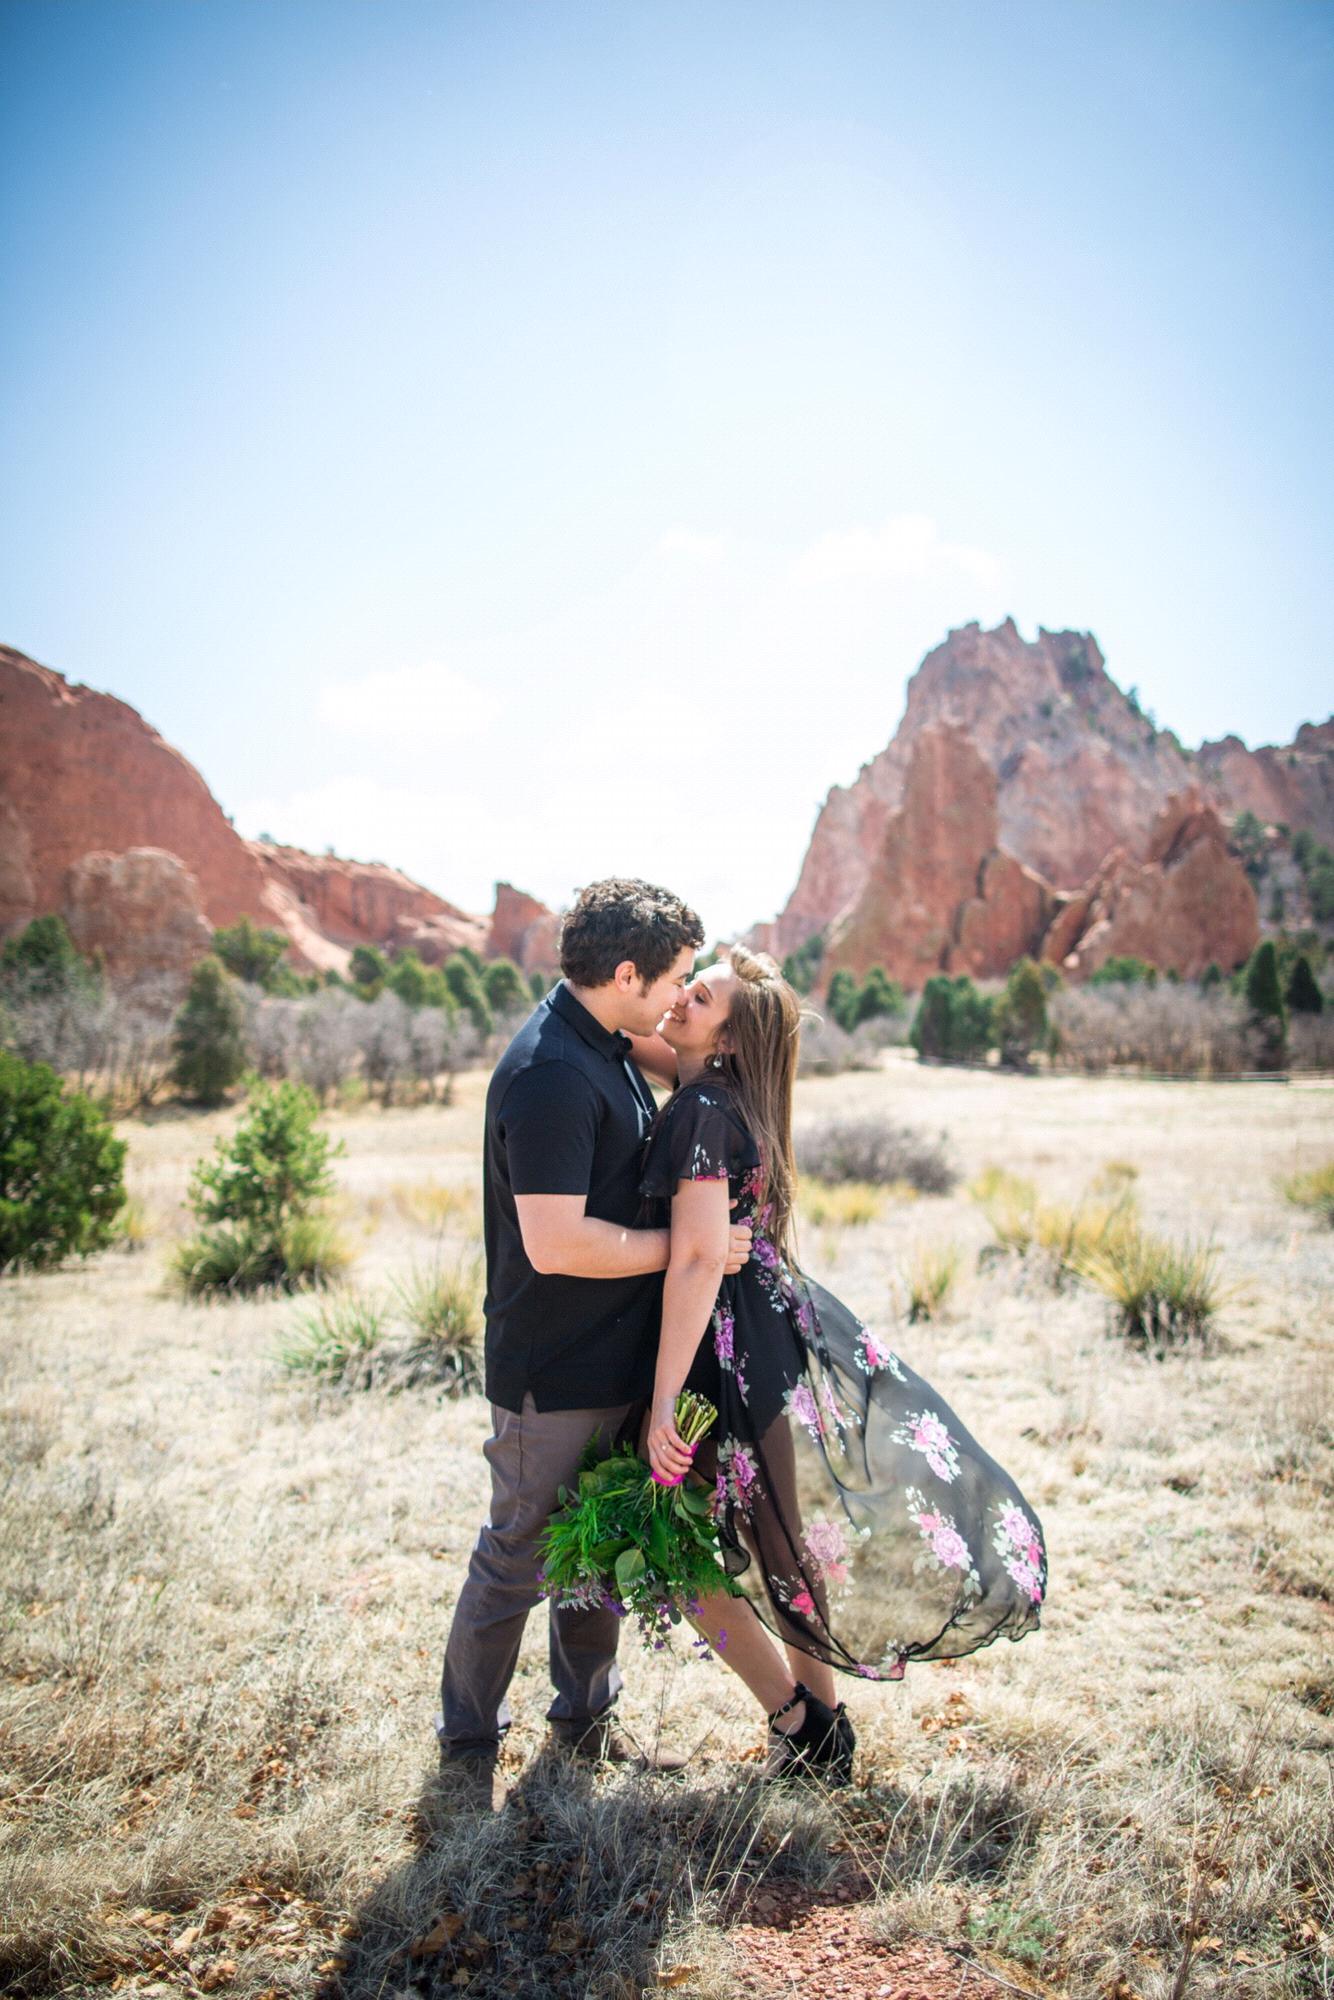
x,y
762,1034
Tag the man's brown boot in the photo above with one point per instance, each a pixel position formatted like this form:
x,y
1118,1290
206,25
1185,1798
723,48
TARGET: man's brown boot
x,y
600,1742
472,1783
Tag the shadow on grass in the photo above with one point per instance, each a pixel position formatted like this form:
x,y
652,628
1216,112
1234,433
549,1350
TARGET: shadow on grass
x,y
575,1890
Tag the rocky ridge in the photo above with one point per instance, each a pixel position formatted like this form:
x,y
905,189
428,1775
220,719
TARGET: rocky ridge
x,y
1026,804
103,822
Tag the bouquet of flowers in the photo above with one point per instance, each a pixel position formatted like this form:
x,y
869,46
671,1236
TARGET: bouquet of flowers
x,y
628,1540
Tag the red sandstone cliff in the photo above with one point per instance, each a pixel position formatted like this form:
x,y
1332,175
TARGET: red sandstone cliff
x,y
105,823
1021,788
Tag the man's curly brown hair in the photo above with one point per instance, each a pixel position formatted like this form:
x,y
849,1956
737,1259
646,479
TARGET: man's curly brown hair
x,y
625,918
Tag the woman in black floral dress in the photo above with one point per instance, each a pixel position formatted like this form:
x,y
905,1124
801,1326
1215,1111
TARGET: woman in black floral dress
x,y
865,1524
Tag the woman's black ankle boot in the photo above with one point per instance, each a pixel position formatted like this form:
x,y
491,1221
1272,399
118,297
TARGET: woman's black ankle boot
x,y
822,1748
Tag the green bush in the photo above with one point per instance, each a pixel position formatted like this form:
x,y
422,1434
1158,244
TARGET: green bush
x,y
209,1035
368,968
878,996
953,1022
408,977
1320,888
503,985
540,984
61,1184
1264,999
801,967
1021,1015
258,1198
250,953
461,977
305,1253
43,962
841,1000
1122,969
1301,993
1248,839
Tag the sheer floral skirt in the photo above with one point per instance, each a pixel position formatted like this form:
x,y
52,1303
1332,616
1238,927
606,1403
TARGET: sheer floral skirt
x,y
865,1523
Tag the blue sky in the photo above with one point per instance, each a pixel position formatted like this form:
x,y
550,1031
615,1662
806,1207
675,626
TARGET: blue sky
x,y
540,441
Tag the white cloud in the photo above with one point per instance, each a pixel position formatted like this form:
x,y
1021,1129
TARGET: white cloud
x,y
904,548
683,721
408,704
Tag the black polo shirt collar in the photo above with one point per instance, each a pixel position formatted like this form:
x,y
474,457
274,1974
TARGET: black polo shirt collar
x,y
609,1042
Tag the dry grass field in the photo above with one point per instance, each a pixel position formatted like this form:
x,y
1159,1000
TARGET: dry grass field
x,y
224,1592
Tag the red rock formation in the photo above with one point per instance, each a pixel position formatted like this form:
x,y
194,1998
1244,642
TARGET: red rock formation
x,y
1077,771
140,910
365,902
1007,918
941,895
525,930
81,772
83,775
1290,784
1189,902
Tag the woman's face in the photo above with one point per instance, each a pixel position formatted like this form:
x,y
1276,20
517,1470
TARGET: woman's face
x,y
692,1026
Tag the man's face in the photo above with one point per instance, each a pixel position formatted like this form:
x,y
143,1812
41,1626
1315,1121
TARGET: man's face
x,y
647,1002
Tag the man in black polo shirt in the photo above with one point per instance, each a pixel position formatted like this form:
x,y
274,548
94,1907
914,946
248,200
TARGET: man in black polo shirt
x,y
573,1301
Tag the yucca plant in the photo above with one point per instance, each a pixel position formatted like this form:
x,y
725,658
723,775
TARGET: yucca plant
x,y
431,1204
848,1204
1164,1295
307,1253
1061,1231
931,1277
1008,1203
334,1341
442,1303
1313,1189
1065,1232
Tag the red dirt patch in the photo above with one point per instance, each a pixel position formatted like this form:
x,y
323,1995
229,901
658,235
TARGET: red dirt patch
x,y
788,1946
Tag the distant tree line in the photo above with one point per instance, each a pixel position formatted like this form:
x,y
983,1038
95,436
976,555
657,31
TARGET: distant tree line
x,y
394,1026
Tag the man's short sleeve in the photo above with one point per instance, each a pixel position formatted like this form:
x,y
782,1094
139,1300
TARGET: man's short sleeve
x,y
549,1125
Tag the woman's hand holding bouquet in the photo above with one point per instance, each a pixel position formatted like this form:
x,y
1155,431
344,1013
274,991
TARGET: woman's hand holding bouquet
x,y
632,1540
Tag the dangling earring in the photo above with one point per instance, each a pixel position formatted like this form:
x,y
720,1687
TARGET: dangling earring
x,y
715,1062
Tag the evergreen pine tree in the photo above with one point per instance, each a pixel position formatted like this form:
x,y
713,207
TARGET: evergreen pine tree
x,y
61,1184
407,978
878,995
369,968
930,1031
42,961
462,981
250,953
1264,999
1021,1017
503,985
1302,994
841,1000
209,1035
